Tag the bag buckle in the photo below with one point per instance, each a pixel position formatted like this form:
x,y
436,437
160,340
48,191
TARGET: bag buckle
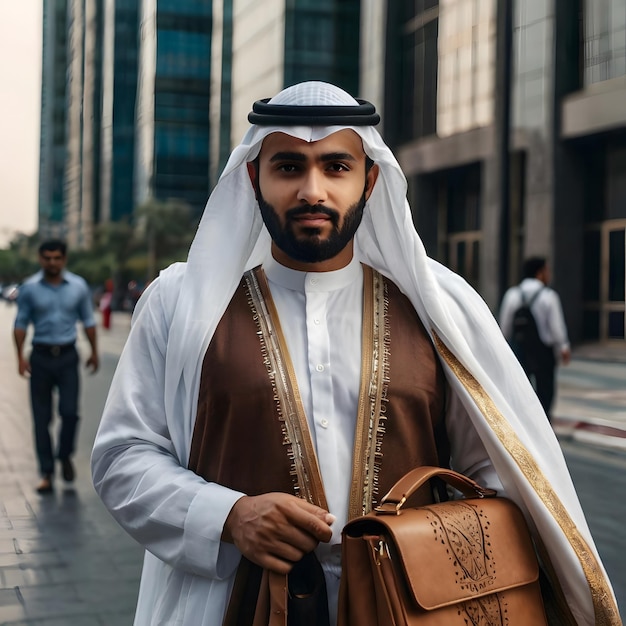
x,y
391,507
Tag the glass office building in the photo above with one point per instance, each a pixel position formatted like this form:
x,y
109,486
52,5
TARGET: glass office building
x,y
83,103
439,117
119,69
596,123
322,42
53,119
508,119
277,44
173,102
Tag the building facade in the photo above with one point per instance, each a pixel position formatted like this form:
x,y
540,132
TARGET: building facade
x,y
275,44
509,119
119,93
52,150
507,116
83,110
172,121
591,196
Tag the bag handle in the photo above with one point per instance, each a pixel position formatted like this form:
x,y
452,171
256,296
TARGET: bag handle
x,y
394,500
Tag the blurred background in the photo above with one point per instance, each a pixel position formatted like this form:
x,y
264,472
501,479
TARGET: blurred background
x,y
508,118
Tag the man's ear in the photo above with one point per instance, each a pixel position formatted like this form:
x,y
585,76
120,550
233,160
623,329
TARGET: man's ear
x,y
370,180
253,173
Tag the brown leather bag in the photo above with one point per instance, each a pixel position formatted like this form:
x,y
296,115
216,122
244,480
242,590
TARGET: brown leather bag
x,y
460,562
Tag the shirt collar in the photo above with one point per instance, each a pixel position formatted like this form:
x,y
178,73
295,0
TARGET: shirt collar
x,y
41,278
311,281
532,282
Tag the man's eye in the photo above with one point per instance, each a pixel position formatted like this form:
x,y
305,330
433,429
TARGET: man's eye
x,y
288,168
338,167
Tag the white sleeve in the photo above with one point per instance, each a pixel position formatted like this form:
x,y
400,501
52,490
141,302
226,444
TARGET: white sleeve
x,y
468,454
556,321
510,303
170,510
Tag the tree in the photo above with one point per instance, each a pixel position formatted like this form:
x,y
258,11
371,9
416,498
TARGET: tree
x,y
20,259
167,228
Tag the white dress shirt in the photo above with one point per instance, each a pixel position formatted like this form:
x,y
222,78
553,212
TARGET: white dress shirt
x,y
321,315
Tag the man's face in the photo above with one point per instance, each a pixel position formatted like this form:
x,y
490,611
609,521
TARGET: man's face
x,y
311,196
52,262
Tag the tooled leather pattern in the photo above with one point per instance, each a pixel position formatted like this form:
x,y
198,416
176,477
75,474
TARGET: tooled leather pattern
x,y
464,530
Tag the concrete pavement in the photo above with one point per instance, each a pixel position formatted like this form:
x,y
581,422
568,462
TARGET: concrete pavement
x,y
63,559
591,399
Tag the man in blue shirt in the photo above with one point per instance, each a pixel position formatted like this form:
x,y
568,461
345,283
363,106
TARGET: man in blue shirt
x,y
53,300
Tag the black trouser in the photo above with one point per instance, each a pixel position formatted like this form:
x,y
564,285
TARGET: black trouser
x,y
541,371
51,367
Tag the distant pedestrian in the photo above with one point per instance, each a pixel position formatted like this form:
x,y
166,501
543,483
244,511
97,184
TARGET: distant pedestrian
x,y
531,318
54,300
106,302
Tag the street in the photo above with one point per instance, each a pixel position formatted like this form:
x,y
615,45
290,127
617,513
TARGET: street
x,y
65,562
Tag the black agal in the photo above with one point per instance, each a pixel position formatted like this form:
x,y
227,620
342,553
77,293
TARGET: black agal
x,y
265,114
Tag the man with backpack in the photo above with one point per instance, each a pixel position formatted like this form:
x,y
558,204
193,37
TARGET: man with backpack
x,y
531,318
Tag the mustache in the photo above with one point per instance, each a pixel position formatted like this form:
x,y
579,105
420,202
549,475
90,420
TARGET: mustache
x,y
309,209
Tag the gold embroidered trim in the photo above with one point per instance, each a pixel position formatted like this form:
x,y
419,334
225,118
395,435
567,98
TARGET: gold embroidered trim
x,y
605,609
296,435
370,425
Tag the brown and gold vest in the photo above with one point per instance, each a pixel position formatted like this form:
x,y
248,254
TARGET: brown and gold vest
x,y
240,437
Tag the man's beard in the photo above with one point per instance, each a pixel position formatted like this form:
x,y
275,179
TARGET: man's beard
x,y
310,247
51,272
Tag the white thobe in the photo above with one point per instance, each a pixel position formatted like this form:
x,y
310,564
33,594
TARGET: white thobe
x,y
179,517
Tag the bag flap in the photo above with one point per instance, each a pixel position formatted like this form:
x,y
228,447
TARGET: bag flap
x,y
460,550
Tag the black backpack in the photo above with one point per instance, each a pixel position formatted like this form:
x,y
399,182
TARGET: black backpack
x,y
525,339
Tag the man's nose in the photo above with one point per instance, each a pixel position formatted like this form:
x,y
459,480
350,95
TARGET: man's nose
x,y
313,190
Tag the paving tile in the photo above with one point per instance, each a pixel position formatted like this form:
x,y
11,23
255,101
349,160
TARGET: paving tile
x,y
78,620
56,601
25,576
9,597
33,545
24,524
17,507
7,545
41,559
13,615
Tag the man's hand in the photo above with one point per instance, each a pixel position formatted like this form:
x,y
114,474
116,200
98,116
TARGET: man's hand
x,y
275,530
566,356
93,363
23,366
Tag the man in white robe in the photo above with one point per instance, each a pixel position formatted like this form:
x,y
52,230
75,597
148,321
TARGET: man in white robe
x,y
495,423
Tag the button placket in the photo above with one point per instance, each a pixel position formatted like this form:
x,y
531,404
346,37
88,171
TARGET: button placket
x,y
319,359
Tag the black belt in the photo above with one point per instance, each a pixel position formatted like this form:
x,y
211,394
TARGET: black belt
x,y
53,350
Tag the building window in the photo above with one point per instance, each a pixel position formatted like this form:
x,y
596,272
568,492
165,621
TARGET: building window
x,y
183,54
322,42
411,102
604,35
182,93
604,283
459,206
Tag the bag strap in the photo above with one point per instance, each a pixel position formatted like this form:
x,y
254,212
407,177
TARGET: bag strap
x,y
394,500
533,298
